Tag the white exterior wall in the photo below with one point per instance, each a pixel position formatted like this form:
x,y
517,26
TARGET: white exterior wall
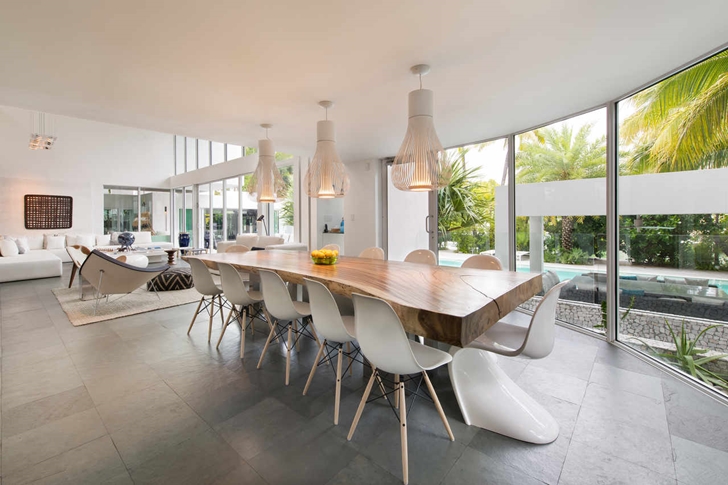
x,y
86,156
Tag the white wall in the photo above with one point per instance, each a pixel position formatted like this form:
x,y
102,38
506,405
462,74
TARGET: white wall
x,y
362,207
86,156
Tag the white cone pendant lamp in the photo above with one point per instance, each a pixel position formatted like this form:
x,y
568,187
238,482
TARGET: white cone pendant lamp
x,y
266,184
326,177
421,164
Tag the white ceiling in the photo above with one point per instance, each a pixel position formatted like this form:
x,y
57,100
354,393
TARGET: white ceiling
x,y
216,69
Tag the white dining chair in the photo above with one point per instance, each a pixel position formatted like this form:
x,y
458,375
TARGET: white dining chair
x,y
373,253
421,256
385,344
334,330
238,296
332,247
281,308
483,261
484,391
211,294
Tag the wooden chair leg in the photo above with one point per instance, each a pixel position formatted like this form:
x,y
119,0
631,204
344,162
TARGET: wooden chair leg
x,y
433,394
74,268
225,326
403,434
288,353
242,332
219,300
211,310
197,312
396,387
252,320
267,343
268,318
363,402
315,365
337,398
382,388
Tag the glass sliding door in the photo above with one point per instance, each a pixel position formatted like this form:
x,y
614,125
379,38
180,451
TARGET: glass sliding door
x,y
282,223
410,221
155,214
249,209
232,210
561,214
673,215
468,205
121,210
217,214
204,217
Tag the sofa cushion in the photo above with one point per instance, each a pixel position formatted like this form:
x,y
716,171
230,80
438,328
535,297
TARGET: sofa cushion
x,y
103,240
8,248
23,245
35,264
35,242
265,241
54,241
143,237
249,240
88,240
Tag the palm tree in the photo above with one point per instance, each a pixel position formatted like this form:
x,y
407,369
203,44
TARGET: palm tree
x,y
553,154
462,202
681,123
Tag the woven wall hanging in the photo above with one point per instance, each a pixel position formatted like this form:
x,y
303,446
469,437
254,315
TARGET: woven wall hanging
x,y
48,211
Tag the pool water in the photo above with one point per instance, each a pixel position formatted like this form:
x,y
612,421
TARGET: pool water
x,y
567,274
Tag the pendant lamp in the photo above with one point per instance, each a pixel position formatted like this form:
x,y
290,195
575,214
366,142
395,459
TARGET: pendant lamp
x,y
326,177
421,164
266,183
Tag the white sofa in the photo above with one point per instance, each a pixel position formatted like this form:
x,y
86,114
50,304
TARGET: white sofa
x,y
256,241
46,255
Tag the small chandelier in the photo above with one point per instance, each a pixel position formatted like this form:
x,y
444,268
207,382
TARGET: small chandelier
x,y
421,164
266,184
326,177
39,137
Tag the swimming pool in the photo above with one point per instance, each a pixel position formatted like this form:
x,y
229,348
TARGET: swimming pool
x,y
567,274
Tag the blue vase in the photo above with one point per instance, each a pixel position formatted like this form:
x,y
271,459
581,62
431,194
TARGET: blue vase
x,y
184,239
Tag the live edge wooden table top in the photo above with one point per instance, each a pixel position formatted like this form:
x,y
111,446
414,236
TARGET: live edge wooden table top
x,y
451,305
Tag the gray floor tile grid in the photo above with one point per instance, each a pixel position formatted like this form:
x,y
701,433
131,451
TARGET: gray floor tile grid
x,y
135,400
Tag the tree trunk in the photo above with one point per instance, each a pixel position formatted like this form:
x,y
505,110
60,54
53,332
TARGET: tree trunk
x,y
567,230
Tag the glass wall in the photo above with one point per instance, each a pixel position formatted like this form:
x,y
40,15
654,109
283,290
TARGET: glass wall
x,y
673,271
203,153
232,211
204,215
217,152
217,213
233,151
121,210
561,224
191,153
467,205
155,214
282,224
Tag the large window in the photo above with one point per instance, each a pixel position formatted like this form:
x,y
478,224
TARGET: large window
x,y
282,224
155,214
673,272
121,210
203,153
561,206
217,213
467,205
232,211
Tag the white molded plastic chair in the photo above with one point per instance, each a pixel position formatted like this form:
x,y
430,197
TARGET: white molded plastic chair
x,y
335,329
385,344
206,287
237,248
236,294
536,340
483,261
373,253
280,307
488,398
332,247
421,256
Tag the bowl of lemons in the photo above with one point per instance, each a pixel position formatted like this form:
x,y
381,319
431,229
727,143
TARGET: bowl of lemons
x,y
324,256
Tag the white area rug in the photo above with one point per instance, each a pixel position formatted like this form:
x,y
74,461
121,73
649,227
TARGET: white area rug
x,y
140,301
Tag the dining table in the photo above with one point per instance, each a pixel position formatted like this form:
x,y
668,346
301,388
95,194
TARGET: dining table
x,y
450,305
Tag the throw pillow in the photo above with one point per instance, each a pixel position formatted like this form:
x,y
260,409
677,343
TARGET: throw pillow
x,y
103,240
52,241
22,243
35,242
8,248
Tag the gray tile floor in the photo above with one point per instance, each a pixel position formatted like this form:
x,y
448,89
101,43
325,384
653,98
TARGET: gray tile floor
x,y
135,400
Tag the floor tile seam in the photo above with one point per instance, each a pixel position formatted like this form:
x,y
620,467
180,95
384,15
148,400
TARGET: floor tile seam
x,y
651,470
35,401
59,454
610,388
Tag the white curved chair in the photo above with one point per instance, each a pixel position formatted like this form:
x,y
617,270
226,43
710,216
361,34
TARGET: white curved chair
x,y
385,344
335,330
280,307
206,287
483,261
373,253
78,255
332,247
236,294
421,256
488,398
237,248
